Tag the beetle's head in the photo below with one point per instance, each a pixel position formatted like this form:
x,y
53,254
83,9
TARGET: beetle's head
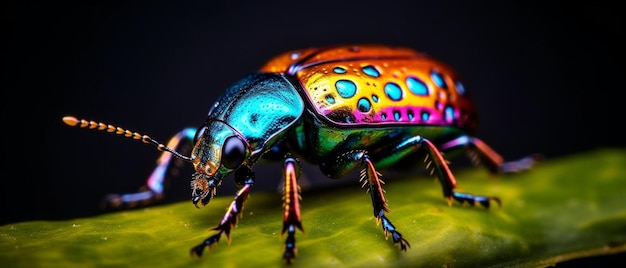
x,y
218,150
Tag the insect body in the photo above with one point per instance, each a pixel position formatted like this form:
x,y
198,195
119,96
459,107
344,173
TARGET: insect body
x,y
343,108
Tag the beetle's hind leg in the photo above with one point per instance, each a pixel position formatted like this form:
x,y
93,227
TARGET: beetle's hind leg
x,y
448,182
348,162
486,155
437,164
154,188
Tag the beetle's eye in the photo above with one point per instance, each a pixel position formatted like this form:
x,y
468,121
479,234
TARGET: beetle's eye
x,y
233,152
199,134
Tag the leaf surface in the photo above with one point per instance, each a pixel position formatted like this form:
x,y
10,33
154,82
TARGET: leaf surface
x,y
563,209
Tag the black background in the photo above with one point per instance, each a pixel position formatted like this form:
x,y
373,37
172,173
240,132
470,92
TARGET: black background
x,y
546,78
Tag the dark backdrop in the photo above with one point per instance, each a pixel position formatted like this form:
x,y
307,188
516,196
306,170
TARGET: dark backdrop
x,y
546,78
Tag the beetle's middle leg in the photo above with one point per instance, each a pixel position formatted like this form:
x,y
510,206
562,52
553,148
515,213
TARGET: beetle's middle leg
x,y
155,186
347,162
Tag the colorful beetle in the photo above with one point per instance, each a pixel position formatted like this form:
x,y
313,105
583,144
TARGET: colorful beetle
x,y
341,107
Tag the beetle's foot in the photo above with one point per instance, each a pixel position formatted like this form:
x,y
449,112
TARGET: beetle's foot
x,y
470,199
520,165
290,245
399,240
129,200
395,235
209,242
223,228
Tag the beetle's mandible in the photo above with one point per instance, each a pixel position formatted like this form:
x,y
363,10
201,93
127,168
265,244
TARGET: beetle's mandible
x,y
343,108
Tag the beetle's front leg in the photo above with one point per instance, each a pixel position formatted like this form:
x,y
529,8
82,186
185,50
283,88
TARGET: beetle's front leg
x,y
155,184
245,179
291,199
346,163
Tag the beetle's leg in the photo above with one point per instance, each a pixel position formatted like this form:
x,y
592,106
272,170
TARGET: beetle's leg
x,y
438,164
448,182
380,203
245,179
346,163
494,162
155,184
291,198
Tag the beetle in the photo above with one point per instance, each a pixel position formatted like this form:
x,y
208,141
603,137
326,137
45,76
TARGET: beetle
x,y
343,108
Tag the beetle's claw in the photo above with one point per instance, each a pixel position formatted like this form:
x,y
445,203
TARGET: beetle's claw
x,y
209,242
289,257
197,250
398,239
388,228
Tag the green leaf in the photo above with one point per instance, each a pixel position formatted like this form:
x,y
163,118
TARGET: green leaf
x,y
563,209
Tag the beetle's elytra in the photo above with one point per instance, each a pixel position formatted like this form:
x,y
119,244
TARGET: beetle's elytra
x,y
342,108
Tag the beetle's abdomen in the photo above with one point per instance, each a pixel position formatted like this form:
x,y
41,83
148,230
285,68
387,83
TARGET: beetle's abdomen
x,y
369,84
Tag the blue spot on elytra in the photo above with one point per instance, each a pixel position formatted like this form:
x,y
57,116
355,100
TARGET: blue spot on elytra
x,y
459,88
375,97
425,116
410,115
364,105
383,116
448,114
393,91
330,99
416,86
397,115
371,71
339,70
345,88
438,79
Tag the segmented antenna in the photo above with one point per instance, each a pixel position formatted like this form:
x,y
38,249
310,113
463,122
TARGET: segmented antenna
x,y
82,123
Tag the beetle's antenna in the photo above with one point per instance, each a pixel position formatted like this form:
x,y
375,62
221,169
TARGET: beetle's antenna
x,y
73,121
